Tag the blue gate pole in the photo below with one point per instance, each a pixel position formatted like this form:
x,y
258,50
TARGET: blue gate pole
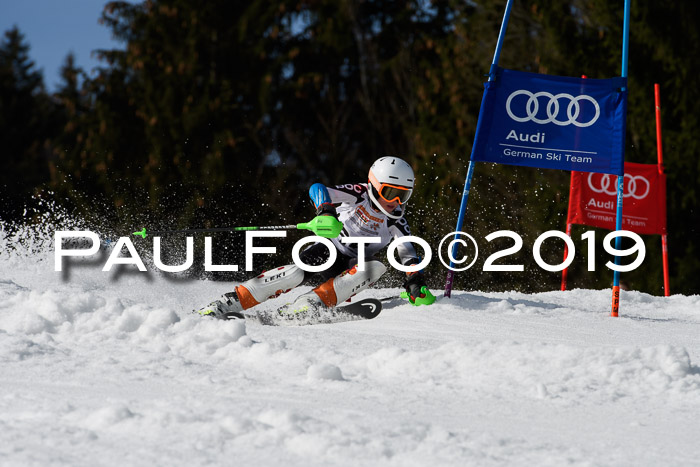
x,y
621,179
470,170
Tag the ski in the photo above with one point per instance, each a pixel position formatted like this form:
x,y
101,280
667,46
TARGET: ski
x,y
367,308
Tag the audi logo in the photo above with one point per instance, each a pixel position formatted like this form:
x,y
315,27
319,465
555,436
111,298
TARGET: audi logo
x,y
606,184
533,106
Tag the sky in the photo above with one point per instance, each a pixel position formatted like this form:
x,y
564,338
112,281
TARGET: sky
x,y
53,28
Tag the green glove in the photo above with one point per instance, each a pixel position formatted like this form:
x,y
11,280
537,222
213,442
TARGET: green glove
x,y
425,298
323,226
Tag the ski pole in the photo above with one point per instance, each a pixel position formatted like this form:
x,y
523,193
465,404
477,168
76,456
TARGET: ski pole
x,y
323,226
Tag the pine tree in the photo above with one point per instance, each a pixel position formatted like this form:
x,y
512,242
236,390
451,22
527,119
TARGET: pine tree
x,y
27,121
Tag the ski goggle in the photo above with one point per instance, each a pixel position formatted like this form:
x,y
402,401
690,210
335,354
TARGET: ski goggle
x,y
391,193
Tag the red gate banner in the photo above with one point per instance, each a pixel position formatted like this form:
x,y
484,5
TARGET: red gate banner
x,y
592,199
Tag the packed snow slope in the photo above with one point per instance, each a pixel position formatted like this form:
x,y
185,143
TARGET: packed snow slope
x,y
112,369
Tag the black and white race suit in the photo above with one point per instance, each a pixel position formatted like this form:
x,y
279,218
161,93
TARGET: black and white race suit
x,y
361,219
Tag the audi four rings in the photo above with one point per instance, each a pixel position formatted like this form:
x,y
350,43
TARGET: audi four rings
x,y
572,110
606,185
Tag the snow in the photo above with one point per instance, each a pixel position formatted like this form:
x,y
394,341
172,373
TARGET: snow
x,y
112,369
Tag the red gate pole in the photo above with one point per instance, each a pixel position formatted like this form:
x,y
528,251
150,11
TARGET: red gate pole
x,y
664,250
660,156
565,271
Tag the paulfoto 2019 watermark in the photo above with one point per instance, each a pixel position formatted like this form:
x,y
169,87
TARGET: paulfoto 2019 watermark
x,y
450,243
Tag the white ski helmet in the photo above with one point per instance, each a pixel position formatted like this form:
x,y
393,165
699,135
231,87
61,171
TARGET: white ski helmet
x,y
391,179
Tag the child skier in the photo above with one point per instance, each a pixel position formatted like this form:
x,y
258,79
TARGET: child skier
x,y
373,209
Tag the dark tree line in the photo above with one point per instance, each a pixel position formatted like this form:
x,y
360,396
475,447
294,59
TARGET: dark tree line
x,y
223,113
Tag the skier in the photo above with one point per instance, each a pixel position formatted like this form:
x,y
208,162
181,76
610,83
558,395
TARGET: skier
x,y
373,209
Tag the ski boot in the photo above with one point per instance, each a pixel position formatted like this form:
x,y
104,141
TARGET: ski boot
x,y
228,307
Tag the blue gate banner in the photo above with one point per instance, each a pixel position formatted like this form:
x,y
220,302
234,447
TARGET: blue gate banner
x,y
553,122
